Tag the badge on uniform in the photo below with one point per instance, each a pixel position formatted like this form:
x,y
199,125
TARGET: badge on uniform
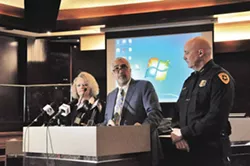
x,y
224,78
203,83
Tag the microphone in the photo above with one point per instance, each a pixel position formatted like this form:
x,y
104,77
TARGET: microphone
x,y
48,109
86,105
63,110
82,96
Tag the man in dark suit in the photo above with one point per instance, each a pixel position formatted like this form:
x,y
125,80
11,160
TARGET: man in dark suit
x,y
203,108
134,102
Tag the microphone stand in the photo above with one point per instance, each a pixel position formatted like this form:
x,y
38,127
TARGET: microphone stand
x,y
35,120
54,118
91,121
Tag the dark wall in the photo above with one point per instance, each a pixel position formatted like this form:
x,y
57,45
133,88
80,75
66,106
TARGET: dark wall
x,y
8,60
55,68
17,72
11,97
38,96
238,64
93,62
59,61
234,56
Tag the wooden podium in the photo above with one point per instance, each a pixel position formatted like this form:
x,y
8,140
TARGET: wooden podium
x,y
119,145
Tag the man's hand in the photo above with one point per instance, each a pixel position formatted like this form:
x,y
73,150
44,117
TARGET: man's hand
x,y
176,135
137,124
110,123
182,145
178,140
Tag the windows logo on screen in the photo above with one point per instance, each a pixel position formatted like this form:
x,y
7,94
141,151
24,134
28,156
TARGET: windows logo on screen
x,y
157,69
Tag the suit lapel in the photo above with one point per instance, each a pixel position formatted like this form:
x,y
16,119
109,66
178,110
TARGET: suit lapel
x,y
113,100
130,92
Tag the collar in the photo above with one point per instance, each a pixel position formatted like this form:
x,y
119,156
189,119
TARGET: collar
x,y
125,87
206,67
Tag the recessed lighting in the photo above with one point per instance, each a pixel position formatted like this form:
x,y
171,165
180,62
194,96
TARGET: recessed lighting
x,y
48,33
13,44
78,40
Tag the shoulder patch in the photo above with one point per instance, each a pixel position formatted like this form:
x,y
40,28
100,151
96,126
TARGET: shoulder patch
x,y
224,78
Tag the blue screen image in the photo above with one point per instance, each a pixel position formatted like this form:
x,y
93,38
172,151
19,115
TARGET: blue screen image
x,y
158,59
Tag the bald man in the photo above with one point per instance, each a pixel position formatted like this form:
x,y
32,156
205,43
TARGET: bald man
x,y
201,126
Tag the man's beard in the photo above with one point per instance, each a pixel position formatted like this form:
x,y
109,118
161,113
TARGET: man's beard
x,y
123,80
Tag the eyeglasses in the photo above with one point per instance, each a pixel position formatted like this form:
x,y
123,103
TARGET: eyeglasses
x,y
121,67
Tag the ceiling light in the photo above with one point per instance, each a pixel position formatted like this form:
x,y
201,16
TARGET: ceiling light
x,y
13,44
233,17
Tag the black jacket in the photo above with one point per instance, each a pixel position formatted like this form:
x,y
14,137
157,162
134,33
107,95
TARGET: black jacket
x,y
204,105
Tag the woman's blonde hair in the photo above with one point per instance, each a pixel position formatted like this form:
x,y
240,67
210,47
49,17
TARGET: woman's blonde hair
x,y
92,84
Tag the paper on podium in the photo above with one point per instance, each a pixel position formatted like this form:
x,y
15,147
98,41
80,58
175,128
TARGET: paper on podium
x,y
240,129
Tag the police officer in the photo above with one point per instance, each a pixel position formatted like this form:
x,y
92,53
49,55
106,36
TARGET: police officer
x,y
201,123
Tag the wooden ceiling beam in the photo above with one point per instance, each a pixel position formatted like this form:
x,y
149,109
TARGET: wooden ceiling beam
x,y
11,11
138,8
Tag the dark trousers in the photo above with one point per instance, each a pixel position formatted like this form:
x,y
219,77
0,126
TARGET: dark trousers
x,y
204,159
198,156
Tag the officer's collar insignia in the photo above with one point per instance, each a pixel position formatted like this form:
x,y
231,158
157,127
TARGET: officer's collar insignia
x,y
203,83
224,78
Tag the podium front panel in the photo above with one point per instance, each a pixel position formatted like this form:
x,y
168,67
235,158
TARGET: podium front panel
x,y
87,141
123,139
60,140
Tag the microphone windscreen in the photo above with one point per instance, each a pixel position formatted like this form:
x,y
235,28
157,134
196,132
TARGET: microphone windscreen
x,y
48,109
64,109
86,105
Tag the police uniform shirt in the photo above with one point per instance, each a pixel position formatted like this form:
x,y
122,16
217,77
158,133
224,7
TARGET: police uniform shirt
x,y
205,102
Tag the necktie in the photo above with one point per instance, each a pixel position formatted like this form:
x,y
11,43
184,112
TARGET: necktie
x,y
118,108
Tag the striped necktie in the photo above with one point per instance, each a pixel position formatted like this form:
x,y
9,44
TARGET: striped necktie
x,y
118,108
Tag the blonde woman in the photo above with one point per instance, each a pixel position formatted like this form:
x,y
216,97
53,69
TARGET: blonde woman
x,y
89,109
